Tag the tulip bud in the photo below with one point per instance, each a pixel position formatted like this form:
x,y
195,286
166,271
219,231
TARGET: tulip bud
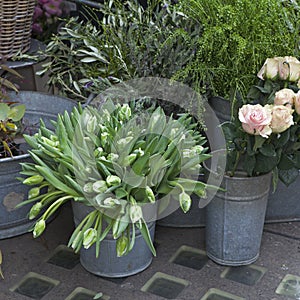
x,y
77,240
112,156
34,192
125,112
50,142
99,186
88,187
35,179
35,210
135,213
122,245
139,152
124,141
150,194
185,202
92,124
39,228
111,202
103,137
129,159
201,192
187,153
98,152
197,149
89,237
53,138
113,180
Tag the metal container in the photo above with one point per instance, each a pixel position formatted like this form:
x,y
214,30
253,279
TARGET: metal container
x,y
235,219
108,264
283,204
38,105
221,107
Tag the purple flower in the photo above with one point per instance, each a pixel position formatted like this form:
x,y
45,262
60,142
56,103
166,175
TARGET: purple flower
x,y
37,28
38,12
53,8
88,84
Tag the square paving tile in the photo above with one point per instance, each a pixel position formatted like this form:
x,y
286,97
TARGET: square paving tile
x,y
81,293
64,257
215,294
248,275
190,257
289,286
34,286
165,285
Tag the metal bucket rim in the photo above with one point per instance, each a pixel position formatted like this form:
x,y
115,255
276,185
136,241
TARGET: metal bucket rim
x,y
14,158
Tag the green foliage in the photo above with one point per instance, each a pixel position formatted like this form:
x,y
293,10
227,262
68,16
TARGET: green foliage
x,y
129,42
117,160
236,38
10,114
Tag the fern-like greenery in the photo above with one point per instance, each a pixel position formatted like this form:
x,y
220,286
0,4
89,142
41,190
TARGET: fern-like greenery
x,y
237,37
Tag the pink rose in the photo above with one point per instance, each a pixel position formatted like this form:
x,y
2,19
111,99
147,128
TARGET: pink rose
x,y
297,103
256,119
282,118
285,97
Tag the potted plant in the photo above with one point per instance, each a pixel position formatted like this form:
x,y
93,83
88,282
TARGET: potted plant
x,y
20,113
284,88
118,166
262,140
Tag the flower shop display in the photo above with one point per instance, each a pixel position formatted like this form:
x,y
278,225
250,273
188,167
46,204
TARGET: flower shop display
x,y
118,166
262,140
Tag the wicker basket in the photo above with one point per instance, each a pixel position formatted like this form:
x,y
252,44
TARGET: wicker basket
x,y
15,26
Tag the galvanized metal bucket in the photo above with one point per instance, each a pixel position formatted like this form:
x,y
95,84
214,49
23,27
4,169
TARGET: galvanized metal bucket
x,y
235,219
284,204
38,105
108,264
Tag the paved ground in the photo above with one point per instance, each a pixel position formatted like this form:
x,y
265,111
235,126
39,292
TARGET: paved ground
x,y
43,269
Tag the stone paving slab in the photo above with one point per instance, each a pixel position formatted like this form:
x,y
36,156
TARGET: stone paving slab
x,y
169,275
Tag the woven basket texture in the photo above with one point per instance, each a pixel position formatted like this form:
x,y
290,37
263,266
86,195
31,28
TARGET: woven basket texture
x,y
15,26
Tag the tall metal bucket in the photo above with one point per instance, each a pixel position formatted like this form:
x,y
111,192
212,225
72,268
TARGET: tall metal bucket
x,y
38,106
235,219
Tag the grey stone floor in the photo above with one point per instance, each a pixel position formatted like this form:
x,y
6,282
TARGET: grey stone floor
x,y
44,269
